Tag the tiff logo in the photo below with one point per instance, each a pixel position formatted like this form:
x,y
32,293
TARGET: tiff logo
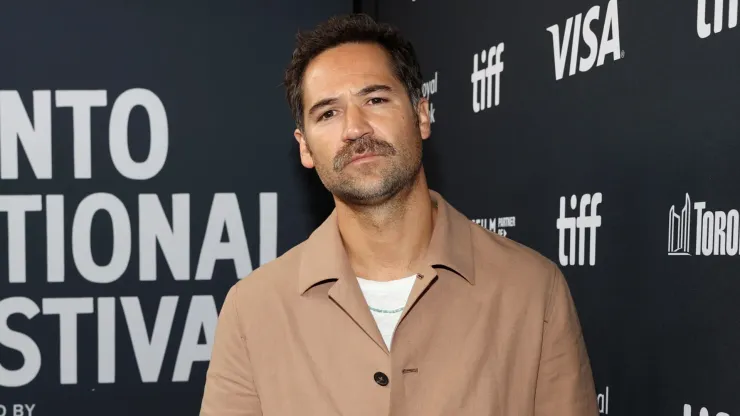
x,y
569,225
704,28
702,412
580,27
717,232
490,89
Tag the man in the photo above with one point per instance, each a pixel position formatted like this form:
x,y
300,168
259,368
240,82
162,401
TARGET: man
x,y
397,304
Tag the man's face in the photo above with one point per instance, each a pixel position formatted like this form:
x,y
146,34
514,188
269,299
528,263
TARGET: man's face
x,y
360,131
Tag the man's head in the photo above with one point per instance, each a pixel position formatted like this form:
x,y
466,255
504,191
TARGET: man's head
x,y
354,88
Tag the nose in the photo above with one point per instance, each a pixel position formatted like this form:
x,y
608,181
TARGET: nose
x,y
356,124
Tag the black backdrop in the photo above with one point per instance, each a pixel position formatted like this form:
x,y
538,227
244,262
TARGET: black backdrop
x,y
655,122
194,90
165,116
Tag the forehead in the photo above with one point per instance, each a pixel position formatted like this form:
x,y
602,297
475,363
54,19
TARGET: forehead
x,y
349,66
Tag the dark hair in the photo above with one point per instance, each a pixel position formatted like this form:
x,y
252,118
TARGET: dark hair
x,y
352,28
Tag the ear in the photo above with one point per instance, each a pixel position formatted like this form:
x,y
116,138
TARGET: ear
x,y
425,126
305,152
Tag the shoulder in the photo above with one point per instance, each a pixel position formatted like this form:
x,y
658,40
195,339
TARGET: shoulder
x,y
268,283
502,260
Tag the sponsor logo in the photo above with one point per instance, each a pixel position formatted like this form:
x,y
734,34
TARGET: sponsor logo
x,y
487,80
716,232
428,89
702,412
603,402
579,28
574,228
497,225
704,27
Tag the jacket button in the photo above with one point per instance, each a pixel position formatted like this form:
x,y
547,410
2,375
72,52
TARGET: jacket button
x,y
381,378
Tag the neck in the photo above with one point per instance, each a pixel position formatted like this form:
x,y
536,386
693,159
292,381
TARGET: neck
x,y
388,241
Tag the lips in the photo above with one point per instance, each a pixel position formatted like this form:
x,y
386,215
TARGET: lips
x,y
362,156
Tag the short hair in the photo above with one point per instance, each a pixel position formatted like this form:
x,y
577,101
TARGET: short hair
x,y
352,28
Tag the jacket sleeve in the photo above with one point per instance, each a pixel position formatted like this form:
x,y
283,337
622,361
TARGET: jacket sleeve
x,y
229,388
565,385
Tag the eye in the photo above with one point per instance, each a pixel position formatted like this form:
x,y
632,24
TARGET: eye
x,y
378,100
326,115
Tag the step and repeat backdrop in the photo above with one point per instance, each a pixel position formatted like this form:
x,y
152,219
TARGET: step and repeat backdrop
x,y
146,164
606,135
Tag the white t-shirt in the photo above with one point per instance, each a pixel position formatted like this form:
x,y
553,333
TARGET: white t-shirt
x,y
387,301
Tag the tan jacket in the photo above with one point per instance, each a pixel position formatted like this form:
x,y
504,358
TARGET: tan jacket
x,y
490,328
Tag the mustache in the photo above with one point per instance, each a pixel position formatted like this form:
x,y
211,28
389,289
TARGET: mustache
x,y
364,144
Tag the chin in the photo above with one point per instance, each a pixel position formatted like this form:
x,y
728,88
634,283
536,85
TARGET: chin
x,y
368,194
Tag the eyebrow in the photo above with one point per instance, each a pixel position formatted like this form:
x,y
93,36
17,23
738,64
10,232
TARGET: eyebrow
x,y
363,92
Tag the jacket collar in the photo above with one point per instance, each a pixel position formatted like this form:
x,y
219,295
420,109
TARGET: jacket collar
x,y
324,257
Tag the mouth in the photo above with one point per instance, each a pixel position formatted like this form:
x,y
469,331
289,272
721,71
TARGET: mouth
x,y
362,157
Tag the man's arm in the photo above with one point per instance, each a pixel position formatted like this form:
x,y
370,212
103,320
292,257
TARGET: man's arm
x,y
565,385
229,389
